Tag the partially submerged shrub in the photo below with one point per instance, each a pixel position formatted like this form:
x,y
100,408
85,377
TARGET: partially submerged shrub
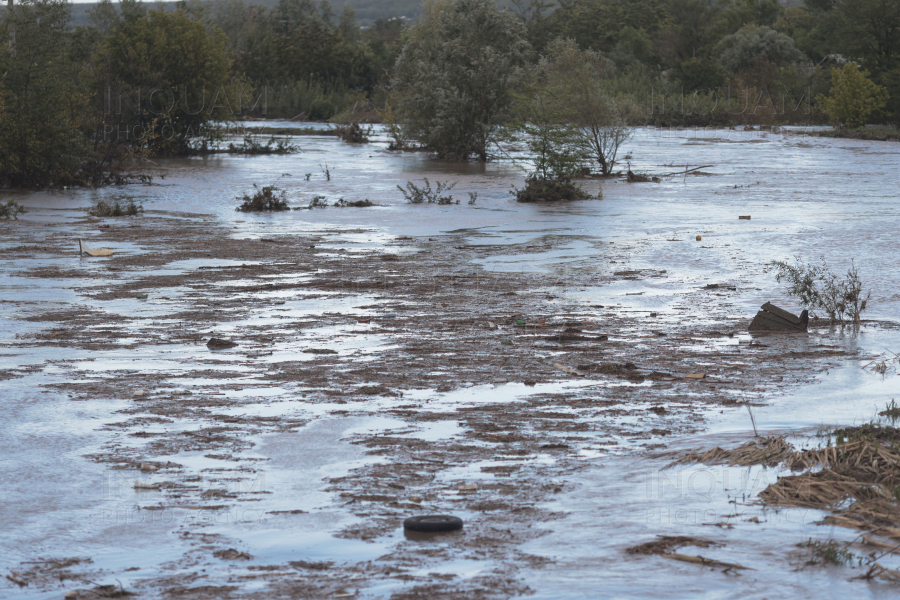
x,y
419,195
11,210
818,288
548,190
116,209
255,147
318,202
356,204
633,177
266,199
353,133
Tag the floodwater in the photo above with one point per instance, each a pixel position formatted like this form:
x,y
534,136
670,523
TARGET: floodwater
x,y
807,196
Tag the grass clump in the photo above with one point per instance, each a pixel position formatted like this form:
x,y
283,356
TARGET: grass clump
x,y
830,552
116,209
818,289
550,190
891,412
11,210
266,199
420,195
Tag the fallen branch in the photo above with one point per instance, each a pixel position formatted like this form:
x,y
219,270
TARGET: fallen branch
x,y
706,562
685,172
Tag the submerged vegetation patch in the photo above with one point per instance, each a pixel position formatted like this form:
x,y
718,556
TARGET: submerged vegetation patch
x,y
550,190
252,146
819,289
354,133
11,209
266,199
426,195
117,209
341,203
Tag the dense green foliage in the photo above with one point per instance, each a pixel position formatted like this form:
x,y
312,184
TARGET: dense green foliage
x,y
84,105
41,107
454,79
166,75
266,199
853,98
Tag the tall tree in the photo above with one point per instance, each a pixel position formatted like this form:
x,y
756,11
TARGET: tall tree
x,y
453,80
167,75
41,107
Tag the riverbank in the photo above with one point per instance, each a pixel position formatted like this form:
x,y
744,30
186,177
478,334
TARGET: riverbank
x,y
869,133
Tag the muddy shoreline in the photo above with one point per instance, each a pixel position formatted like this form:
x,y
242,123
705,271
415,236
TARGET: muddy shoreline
x,y
391,333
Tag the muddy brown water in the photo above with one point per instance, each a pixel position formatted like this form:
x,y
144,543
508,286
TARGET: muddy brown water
x,y
283,467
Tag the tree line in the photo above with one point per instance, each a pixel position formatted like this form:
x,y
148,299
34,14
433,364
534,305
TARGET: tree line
x,y
78,105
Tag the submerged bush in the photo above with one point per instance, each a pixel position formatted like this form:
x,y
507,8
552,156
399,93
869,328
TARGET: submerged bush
x,y
818,288
354,203
254,147
116,209
548,190
417,195
267,199
353,133
11,210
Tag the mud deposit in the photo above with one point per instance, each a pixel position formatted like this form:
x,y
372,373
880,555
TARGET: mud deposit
x,y
363,374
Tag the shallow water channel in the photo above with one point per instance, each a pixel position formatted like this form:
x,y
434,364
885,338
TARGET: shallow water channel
x,y
807,196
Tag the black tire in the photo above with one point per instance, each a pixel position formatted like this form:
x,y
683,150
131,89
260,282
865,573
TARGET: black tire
x,y
432,523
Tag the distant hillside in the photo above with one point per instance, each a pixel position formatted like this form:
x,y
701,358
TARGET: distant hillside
x,y
367,11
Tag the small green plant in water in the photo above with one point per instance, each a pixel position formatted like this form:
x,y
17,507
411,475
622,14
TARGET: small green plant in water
x,y
420,195
891,412
116,209
818,288
831,552
266,199
11,210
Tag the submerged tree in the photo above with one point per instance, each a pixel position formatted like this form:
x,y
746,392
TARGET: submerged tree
x,y
453,81
581,77
555,142
543,115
